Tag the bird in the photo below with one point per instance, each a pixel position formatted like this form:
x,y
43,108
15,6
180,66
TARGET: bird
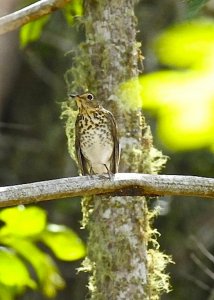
x,y
96,137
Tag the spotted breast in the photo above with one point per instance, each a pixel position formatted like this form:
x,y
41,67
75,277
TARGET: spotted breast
x,y
96,141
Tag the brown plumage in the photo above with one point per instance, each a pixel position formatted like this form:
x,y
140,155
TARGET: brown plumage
x,y
96,139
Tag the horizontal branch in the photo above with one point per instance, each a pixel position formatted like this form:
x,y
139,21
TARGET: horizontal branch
x,y
120,184
27,14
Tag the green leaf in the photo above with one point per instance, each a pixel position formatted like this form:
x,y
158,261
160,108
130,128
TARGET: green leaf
x,y
32,31
74,8
184,104
47,272
183,99
194,6
65,243
189,44
13,271
9,293
22,221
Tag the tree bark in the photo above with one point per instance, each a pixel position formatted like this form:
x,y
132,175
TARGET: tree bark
x,y
119,228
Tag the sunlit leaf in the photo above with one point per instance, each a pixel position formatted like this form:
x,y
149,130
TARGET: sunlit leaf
x,y
183,100
169,88
22,221
8,293
13,271
189,44
184,103
32,31
189,126
47,272
74,8
65,243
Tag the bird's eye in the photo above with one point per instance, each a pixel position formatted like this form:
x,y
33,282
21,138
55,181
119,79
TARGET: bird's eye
x,y
90,97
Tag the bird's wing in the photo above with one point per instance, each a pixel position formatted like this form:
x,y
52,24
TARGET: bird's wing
x,y
80,158
116,151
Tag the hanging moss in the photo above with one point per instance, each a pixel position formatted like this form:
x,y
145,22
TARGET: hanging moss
x,y
70,114
157,261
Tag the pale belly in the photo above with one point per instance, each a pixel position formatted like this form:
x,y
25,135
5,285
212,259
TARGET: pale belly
x,y
97,148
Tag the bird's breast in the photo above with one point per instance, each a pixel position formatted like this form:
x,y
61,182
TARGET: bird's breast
x,y
96,139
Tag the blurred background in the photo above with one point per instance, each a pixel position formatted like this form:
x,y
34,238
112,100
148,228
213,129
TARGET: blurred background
x,y
178,100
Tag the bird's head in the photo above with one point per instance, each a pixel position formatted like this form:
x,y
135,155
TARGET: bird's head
x,y
85,101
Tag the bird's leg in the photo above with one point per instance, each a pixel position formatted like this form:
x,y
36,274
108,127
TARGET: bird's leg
x,y
91,172
110,174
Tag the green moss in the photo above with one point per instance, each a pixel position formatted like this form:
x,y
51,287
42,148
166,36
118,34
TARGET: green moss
x,y
158,279
157,261
87,208
69,114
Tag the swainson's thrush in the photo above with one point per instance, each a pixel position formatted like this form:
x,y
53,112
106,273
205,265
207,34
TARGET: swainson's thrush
x,y
96,139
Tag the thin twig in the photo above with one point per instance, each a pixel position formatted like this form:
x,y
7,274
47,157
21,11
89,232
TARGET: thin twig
x,y
27,14
198,282
121,184
202,266
203,250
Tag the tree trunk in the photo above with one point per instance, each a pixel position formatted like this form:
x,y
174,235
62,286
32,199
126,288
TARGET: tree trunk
x,y
119,228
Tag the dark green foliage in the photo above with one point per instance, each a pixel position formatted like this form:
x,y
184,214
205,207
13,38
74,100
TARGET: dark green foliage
x,y
194,7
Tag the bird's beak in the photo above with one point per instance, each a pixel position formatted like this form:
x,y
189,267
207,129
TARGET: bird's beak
x,y
73,96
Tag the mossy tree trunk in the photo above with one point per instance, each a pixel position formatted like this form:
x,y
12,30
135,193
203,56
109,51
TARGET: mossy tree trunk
x,y
118,226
